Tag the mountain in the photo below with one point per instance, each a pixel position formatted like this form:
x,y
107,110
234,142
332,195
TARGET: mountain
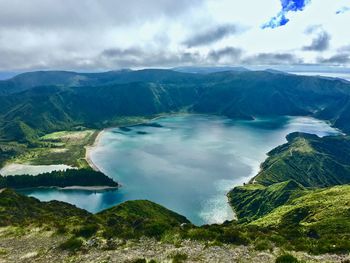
x,y
302,192
7,75
206,70
29,80
309,160
306,162
29,106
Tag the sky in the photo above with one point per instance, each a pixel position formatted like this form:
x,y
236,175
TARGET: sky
x,y
97,35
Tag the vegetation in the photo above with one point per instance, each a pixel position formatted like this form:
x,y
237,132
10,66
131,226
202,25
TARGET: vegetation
x,y
66,147
19,210
72,244
254,200
70,177
288,196
137,218
305,224
309,160
286,258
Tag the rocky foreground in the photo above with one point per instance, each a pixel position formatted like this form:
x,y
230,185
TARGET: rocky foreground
x,y
44,246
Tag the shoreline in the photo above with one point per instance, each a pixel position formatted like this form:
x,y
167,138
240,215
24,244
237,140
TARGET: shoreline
x,y
73,187
89,148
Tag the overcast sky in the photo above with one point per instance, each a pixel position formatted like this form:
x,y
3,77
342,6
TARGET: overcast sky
x,y
111,34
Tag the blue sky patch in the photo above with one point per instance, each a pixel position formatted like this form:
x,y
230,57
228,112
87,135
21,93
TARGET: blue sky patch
x,y
287,6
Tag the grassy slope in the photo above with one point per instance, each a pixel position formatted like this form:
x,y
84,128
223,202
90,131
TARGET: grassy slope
x,y
319,231
254,200
16,209
129,220
302,193
137,218
309,160
323,209
318,221
306,161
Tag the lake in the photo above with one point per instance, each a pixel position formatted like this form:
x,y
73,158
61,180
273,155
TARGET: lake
x,y
187,163
19,169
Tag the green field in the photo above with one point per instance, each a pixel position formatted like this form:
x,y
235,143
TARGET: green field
x,y
65,147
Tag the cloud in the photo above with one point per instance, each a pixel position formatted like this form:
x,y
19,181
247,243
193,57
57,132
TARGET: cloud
x,y
138,57
230,54
338,59
272,59
212,35
344,49
312,29
287,6
320,43
343,10
110,34
90,13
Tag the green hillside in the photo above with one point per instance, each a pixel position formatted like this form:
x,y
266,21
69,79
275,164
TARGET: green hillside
x,y
302,165
318,221
131,219
138,218
19,210
302,193
309,160
254,200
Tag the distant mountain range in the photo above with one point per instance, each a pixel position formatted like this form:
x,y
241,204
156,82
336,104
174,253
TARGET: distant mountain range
x,y
40,102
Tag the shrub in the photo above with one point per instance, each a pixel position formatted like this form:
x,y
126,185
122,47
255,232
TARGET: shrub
x,y
286,258
87,230
234,236
72,244
138,260
263,244
178,257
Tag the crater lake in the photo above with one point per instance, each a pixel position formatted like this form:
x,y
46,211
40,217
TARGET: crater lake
x,y
186,163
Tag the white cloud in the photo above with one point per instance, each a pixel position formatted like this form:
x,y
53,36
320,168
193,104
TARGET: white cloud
x,y
64,34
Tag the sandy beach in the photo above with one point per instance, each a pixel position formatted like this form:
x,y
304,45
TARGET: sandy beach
x,y
88,151
88,188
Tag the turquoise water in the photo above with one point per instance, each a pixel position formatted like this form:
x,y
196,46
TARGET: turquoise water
x,y
186,163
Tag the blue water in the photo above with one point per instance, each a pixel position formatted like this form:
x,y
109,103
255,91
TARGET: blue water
x,y
186,163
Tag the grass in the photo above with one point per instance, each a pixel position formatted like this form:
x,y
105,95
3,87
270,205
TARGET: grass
x,y
321,204
65,147
254,200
